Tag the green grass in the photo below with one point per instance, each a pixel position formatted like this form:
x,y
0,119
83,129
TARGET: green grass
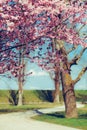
x,y
32,98
31,101
4,96
59,118
36,96
5,108
29,96
81,95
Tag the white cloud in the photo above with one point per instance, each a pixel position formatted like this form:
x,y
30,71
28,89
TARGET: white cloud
x,y
38,73
42,74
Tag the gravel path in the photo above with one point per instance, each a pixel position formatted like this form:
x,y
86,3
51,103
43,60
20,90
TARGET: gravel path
x,y
23,121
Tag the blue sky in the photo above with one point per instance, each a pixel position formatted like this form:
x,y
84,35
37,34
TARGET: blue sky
x,y
41,80
38,80
76,69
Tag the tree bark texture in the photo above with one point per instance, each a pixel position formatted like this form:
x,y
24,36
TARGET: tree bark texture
x,y
20,94
69,96
66,80
20,81
57,87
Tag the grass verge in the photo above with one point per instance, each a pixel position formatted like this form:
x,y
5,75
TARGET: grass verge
x,y
59,118
5,108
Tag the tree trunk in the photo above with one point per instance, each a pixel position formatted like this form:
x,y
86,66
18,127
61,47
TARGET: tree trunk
x,y
56,93
57,86
69,96
20,94
20,80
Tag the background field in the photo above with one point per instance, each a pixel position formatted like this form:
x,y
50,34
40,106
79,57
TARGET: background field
x,y
32,96
41,99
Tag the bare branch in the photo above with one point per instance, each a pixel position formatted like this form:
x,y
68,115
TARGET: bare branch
x,y
80,75
71,49
81,28
77,58
16,46
74,61
51,76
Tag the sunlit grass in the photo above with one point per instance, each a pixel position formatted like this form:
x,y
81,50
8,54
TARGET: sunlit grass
x,y
59,118
31,101
28,95
4,108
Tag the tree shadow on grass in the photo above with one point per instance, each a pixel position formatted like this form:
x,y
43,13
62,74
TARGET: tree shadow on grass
x,y
58,115
62,115
3,111
38,112
83,116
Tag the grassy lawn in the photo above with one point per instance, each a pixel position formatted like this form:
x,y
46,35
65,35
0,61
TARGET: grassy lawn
x,y
31,98
31,101
36,96
28,96
81,95
59,118
5,108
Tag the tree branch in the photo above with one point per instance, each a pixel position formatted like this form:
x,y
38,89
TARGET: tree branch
x,y
74,61
81,28
80,75
71,49
77,58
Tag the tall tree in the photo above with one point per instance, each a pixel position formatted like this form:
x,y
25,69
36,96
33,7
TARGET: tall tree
x,y
28,24
68,83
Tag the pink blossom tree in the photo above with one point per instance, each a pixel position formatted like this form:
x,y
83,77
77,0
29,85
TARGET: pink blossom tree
x,y
27,23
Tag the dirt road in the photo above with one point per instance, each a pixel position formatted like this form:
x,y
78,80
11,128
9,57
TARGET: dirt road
x,y
23,121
